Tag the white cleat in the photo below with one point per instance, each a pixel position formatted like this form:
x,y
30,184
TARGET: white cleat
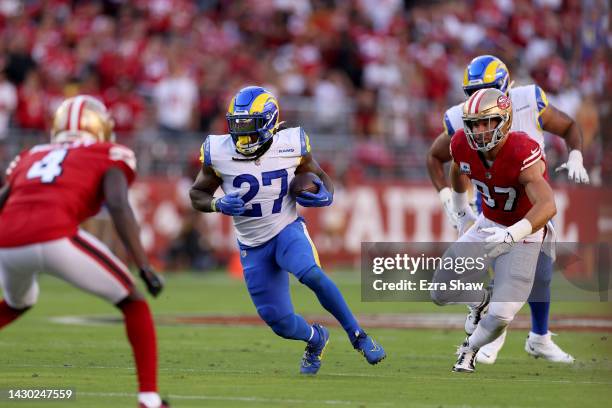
x,y
476,313
543,346
488,353
466,362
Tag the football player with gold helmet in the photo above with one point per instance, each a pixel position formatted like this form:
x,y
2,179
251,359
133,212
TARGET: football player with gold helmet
x,y
51,189
533,115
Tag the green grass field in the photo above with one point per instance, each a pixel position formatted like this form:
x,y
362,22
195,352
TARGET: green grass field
x,y
242,366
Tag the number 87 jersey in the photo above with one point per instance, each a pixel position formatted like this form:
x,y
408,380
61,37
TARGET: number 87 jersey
x,y
263,184
504,199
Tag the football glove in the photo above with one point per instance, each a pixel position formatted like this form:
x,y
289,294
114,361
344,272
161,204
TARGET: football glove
x,y
465,219
498,242
229,204
575,169
322,198
447,203
153,281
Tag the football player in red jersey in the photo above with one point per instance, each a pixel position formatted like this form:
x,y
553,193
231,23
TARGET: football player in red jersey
x,y
50,190
508,170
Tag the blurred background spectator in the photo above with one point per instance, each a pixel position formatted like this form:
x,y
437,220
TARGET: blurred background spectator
x,y
369,80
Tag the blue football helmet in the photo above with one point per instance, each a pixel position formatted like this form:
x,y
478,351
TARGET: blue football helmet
x,y
252,118
485,71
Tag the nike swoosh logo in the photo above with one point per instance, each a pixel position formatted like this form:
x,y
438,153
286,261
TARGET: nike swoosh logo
x,y
326,199
534,150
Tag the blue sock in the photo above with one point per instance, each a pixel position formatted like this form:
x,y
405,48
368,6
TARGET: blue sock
x,y
331,299
539,317
292,327
539,298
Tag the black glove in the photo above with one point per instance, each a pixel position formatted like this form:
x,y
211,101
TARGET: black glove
x,y
154,282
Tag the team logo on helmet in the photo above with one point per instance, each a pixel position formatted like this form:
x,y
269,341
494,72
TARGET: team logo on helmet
x,y
503,102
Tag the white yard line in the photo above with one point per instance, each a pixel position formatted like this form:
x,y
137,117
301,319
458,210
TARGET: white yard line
x,y
454,377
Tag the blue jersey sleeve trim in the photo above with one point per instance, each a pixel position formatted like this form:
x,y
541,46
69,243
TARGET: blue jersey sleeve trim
x,y
448,126
206,148
542,103
304,142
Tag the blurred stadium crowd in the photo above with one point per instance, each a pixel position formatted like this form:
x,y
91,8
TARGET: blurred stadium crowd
x,y
370,79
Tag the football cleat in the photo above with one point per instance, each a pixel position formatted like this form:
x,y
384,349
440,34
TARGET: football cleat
x,y
476,313
542,346
466,362
311,361
488,353
369,348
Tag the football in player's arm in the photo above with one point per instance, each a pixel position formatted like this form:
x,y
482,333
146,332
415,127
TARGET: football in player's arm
x,y
207,182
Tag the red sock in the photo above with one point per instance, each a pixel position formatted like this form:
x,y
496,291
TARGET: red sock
x,y
141,333
8,314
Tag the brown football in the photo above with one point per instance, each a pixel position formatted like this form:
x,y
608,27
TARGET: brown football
x,y
303,182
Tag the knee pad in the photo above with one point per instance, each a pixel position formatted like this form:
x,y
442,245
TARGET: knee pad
x,y
285,327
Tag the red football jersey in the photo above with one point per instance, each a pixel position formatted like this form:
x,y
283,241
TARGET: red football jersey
x,y
504,199
55,187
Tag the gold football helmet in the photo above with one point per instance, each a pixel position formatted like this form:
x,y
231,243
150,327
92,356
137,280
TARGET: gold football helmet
x,y
494,107
82,117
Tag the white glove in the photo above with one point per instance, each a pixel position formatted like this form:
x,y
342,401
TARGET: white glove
x,y
465,219
575,169
446,199
501,239
499,242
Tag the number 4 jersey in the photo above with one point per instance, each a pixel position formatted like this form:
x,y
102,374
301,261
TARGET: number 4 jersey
x,y
55,187
504,199
263,184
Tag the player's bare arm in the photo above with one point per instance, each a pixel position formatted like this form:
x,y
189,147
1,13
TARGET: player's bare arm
x,y
558,122
203,189
115,187
4,194
310,165
540,194
459,182
438,154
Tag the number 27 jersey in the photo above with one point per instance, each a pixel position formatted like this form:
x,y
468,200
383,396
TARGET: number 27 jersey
x,y
55,187
504,199
263,184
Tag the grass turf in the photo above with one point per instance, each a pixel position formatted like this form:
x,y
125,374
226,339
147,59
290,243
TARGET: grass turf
x,y
226,366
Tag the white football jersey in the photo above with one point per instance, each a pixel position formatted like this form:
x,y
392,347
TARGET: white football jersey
x,y
263,184
528,103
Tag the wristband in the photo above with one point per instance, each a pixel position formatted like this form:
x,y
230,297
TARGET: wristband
x,y
520,229
445,195
213,204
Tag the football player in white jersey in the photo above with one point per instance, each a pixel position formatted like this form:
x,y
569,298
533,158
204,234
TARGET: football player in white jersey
x,y
254,166
533,115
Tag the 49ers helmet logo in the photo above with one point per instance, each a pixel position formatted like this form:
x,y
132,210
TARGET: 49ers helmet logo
x,y
503,102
